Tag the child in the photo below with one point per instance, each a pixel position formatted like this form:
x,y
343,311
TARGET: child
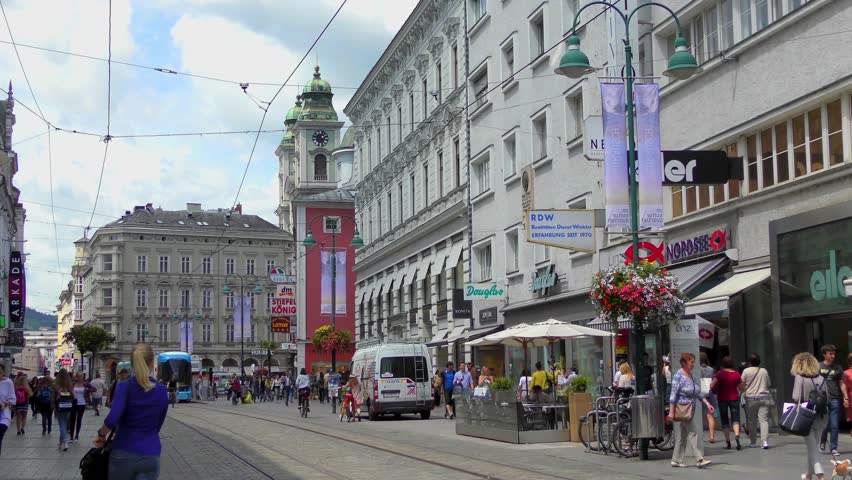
x,y
353,392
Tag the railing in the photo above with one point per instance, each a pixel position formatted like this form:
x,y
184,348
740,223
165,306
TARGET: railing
x,y
320,178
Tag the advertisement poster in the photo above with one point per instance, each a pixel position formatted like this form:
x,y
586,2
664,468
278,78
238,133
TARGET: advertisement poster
x,y
242,328
281,324
648,147
616,190
339,260
186,337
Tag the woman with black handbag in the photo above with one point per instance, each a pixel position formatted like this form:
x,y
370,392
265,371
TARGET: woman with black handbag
x,y
805,370
682,405
138,412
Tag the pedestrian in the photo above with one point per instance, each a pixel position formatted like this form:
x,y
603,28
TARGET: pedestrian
x,y
98,393
574,374
524,385
23,393
354,387
7,401
627,379
806,372
320,386
449,403
32,400
286,386
44,399
474,373
837,396
303,385
63,404
755,390
123,374
707,374
686,392
437,388
138,413
82,397
462,382
726,385
542,378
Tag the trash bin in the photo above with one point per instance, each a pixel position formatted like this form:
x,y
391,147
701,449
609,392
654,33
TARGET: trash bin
x,y
647,413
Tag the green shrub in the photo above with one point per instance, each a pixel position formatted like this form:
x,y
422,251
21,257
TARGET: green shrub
x,y
501,383
580,384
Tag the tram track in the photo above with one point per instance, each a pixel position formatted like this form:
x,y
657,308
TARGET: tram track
x,y
514,471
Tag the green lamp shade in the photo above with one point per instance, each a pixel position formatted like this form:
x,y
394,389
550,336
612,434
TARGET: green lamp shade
x,y
682,64
574,63
257,290
357,241
197,317
226,290
175,317
309,241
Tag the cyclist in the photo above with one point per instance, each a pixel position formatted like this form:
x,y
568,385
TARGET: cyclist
x,y
173,391
303,385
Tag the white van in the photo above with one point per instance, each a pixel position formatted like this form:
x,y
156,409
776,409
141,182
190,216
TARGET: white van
x,y
395,378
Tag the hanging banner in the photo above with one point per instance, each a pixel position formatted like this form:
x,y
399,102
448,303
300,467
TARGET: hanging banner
x,y
648,147
186,337
616,190
242,328
339,278
17,290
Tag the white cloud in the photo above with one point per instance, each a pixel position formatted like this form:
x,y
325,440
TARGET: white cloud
x,y
390,14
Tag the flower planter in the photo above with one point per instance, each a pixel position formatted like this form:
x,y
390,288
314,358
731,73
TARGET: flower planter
x,y
579,404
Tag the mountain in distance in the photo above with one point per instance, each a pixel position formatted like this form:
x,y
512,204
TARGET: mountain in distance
x,y
34,320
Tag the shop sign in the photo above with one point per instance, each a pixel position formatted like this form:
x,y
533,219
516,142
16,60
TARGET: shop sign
x,y
281,324
66,362
462,307
286,291
289,347
697,167
593,141
542,283
488,315
278,276
17,290
703,244
569,229
483,291
284,306
655,252
828,284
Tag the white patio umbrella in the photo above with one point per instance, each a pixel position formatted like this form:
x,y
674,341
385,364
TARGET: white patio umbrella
x,y
497,337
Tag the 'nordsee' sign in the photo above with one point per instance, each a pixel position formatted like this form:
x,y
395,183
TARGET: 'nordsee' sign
x,y
570,229
483,291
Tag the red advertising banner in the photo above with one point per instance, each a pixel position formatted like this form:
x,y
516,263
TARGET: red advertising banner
x,y
281,324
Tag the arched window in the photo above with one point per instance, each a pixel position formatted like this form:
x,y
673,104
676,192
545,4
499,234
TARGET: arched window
x,y
320,168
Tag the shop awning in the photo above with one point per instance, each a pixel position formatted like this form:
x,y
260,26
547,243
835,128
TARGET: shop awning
x,y
689,276
438,263
410,271
458,333
481,332
454,255
361,296
439,339
423,269
371,289
393,280
716,299
601,324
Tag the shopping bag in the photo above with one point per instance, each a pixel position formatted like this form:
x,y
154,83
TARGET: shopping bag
x,y
797,420
247,398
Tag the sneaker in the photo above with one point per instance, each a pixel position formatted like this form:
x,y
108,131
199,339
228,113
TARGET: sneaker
x,y
765,445
752,445
834,452
678,464
64,447
703,463
822,447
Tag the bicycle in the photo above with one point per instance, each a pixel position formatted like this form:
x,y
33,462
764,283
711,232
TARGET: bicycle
x,y
596,423
304,402
625,444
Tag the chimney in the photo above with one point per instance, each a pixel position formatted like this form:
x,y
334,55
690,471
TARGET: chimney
x,y
193,207
239,208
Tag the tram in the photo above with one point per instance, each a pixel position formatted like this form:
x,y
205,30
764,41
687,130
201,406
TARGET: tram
x,y
177,365
124,365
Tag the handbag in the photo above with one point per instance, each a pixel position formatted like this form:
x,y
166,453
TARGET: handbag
x,y
798,420
705,386
95,463
684,413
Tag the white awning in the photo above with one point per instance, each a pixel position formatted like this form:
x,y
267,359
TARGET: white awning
x,y
439,339
407,278
454,255
601,324
361,296
423,269
371,289
437,266
692,274
392,280
716,299
458,333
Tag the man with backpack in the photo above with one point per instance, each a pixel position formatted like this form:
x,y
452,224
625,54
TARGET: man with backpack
x,y
838,397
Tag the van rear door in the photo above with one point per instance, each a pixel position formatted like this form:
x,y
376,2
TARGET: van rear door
x,y
398,377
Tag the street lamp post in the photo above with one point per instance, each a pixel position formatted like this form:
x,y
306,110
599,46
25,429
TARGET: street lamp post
x,y
243,279
356,243
682,65
186,309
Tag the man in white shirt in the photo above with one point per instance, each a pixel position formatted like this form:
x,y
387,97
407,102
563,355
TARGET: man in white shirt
x,y
98,394
7,400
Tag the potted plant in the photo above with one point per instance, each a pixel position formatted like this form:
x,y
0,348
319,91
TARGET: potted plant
x,y
501,389
579,404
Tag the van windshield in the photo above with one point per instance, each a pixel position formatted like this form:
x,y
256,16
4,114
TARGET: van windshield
x,y
404,367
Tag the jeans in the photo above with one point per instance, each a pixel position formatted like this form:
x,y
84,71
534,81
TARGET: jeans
x,y
730,413
62,419
130,466
76,421
757,412
833,423
3,429
46,419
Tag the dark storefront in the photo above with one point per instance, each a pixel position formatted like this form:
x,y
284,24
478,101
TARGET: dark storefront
x,y
811,256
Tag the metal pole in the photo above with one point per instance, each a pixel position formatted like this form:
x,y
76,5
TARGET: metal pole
x,y
467,146
334,305
242,330
269,350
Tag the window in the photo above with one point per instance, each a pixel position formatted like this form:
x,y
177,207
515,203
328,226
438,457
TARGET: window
x,y
184,265
438,82
185,298
164,298
141,332
107,297
321,168
390,210
141,297
379,213
141,263
479,85
229,300
164,264
541,253
478,9
229,266
440,178
425,104
568,11
400,197
726,24
270,264
510,163
745,17
481,174
370,226
539,137
369,153
378,145
483,257
411,111
229,332
206,332
455,58
457,161
78,310
425,185
574,115
508,62
331,225
107,262
388,130
205,265
412,193
537,36
403,367
399,124
79,288
206,298
252,338
512,247
269,297
164,332
250,266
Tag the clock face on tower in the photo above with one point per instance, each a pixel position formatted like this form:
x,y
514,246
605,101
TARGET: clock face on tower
x,y
320,138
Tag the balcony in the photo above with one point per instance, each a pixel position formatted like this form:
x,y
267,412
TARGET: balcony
x,y
320,178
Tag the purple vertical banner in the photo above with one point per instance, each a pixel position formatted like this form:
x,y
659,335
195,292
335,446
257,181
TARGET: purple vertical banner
x,y
186,337
616,190
650,163
241,325
340,282
340,288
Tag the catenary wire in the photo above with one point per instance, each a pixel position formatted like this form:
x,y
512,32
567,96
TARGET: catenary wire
x,y
106,138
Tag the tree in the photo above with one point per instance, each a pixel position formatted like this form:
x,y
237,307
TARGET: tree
x,y
269,345
88,338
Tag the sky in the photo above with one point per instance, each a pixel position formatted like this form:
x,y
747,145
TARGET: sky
x,y
241,41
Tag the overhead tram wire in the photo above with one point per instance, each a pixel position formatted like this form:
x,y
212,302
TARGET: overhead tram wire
x,y
107,137
47,125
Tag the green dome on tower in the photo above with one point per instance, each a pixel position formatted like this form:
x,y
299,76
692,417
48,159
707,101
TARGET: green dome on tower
x,y
293,113
317,95
317,85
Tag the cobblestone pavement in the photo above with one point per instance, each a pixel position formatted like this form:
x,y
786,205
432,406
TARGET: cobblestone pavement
x,y
216,440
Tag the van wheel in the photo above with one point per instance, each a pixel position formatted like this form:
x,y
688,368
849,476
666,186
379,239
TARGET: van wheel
x,y
397,416
372,413
425,414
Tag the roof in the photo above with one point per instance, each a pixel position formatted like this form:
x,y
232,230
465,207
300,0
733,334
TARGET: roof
x,y
317,84
348,140
339,195
213,220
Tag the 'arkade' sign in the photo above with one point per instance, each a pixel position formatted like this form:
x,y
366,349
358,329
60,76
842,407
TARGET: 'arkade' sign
x,y
17,289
